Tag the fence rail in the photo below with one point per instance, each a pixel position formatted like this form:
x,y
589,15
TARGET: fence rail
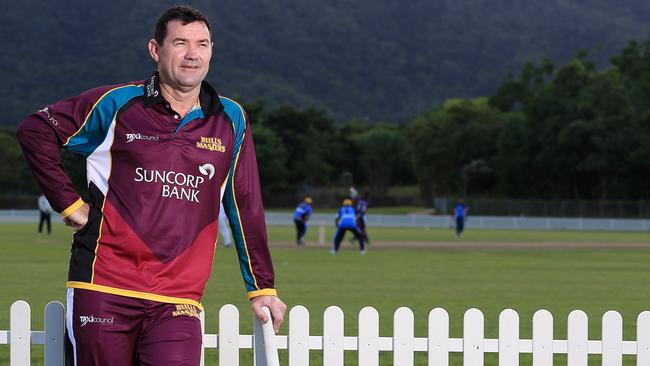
x,y
478,222
403,344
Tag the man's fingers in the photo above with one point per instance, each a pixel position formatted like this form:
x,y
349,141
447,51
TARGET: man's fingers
x,y
260,314
277,312
277,322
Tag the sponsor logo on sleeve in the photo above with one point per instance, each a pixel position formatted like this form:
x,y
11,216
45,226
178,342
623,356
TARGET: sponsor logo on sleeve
x,y
49,116
211,143
176,185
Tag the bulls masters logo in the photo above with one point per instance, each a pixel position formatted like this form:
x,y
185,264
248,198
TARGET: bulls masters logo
x,y
176,185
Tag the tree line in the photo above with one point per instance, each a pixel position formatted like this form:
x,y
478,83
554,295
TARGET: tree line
x,y
564,132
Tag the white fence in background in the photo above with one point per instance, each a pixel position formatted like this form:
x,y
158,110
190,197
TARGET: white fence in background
x,y
367,344
477,222
423,221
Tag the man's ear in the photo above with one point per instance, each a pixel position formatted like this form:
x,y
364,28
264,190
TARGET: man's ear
x,y
154,50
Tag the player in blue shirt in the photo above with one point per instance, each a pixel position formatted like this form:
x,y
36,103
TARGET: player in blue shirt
x,y
347,220
300,218
460,213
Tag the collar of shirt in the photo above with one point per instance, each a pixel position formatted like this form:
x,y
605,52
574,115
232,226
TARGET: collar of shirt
x,y
208,101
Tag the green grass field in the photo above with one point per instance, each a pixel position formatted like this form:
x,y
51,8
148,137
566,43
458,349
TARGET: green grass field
x,y
34,268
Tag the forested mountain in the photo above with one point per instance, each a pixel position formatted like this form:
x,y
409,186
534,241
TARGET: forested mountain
x,y
375,59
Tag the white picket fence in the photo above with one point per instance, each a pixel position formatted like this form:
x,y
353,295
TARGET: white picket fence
x,y
403,344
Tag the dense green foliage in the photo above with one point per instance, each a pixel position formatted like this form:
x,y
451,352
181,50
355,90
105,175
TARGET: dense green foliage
x,y
376,59
577,129
34,268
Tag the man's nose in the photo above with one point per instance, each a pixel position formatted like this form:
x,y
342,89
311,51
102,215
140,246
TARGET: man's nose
x,y
192,53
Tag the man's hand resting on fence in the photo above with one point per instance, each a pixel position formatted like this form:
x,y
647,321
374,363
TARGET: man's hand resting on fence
x,y
275,305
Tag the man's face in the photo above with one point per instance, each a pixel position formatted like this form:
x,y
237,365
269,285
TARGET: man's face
x,y
183,58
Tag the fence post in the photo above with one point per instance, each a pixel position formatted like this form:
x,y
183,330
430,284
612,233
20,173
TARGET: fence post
x,y
473,338
438,337
333,336
368,342
202,318
643,339
612,339
298,336
508,338
577,338
403,337
54,341
264,347
20,339
229,335
542,338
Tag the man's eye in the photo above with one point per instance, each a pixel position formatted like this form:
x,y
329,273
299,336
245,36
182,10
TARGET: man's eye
x,y
179,44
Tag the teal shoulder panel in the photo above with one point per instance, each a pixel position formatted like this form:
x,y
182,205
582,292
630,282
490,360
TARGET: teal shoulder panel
x,y
98,121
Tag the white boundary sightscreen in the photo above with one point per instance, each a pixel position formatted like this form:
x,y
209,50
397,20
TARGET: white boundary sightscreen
x,y
368,343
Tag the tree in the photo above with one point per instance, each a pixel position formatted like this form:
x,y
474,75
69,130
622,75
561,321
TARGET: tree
x,y
309,138
271,159
15,177
450,142
382,150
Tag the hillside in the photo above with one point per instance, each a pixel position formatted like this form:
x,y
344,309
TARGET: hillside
x,y
374,59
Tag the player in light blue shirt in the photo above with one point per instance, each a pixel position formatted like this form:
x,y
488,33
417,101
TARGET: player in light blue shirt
x,y
346,220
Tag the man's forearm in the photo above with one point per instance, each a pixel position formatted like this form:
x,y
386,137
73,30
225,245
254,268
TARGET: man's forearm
x,y
41,150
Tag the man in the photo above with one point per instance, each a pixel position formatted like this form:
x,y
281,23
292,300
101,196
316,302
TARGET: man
x,y
46,214
361,208
300,217
161,155
346,221
460,214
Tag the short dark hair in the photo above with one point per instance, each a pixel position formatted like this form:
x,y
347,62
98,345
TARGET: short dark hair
x,y
186,14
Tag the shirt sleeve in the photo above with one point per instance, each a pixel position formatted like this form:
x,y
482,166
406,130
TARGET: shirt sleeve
x,y
42,134
243,204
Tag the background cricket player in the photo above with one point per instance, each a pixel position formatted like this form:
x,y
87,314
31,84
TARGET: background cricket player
x,y
346,220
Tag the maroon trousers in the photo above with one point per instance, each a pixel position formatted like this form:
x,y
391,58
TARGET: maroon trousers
x,y
105,329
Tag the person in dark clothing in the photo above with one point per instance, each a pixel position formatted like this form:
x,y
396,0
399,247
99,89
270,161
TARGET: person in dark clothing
x,y
460,214
46,214
361,208
300,217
